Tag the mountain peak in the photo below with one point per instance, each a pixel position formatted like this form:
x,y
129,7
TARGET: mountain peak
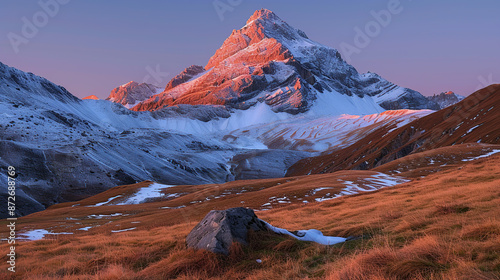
x,y
263,14
264,30
91,97
130,84
445,99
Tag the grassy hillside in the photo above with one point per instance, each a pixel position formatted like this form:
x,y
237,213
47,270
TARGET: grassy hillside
x,y
444,224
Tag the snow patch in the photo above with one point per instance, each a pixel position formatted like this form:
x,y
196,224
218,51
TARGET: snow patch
x,y
122,230
177,207
145,193
312,235
372,183
470,130
85,228
38,234
483,156
105,202
94,216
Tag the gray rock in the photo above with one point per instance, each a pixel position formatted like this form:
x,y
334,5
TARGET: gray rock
x,y
220,228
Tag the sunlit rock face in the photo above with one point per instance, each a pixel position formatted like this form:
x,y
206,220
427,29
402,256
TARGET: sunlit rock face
x,y
185,76
132,93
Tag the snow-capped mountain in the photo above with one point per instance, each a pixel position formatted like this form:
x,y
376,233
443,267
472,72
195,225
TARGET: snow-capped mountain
x,y
446,99
269,62
132,93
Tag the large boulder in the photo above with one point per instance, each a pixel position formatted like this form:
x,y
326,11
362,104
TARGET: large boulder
x,y
220,228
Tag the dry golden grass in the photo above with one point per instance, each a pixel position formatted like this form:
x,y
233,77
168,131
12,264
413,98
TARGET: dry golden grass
x,y
443,226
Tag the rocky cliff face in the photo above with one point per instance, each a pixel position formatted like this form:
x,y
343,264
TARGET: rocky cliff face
x,y
446,99
268,61
185,76
132,93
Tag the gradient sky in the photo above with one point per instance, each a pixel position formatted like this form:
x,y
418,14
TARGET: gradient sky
x,y
91,47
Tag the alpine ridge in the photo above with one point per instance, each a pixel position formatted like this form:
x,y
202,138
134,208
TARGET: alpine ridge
x,y
445,99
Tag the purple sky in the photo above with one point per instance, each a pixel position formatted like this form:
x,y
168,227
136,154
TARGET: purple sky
x,y
91,47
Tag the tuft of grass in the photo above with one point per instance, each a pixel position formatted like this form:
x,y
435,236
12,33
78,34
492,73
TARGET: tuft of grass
x,y
422,258
184,262
451,208
115,272
482,232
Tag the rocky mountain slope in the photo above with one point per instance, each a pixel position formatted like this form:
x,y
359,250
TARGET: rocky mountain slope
x,y
65,148
269,62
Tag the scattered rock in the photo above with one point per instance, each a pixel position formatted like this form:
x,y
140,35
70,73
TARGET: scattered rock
x,y
220,228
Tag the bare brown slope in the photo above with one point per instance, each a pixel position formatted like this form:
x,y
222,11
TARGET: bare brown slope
x,y
471,120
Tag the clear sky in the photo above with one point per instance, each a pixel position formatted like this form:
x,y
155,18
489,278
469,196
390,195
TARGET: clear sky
x,y
91,46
